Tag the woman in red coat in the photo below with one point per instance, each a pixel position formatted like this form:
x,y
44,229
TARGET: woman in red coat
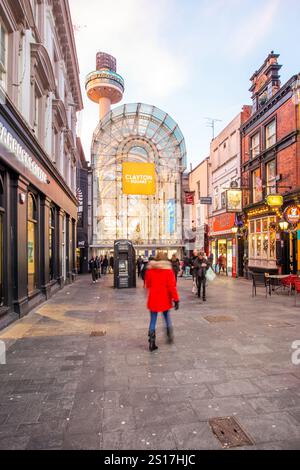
x,y
162,291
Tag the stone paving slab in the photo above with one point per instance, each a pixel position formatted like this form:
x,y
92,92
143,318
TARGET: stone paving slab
x,y
63,389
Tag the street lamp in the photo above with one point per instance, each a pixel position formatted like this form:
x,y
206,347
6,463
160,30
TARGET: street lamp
x,y
283,224
234,229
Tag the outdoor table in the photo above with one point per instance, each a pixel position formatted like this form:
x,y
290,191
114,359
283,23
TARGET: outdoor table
x,y
275,281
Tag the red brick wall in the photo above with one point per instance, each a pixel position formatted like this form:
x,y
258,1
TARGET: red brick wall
x,y
287,166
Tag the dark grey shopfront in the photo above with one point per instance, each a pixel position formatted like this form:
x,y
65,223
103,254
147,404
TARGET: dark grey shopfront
x,y
38,216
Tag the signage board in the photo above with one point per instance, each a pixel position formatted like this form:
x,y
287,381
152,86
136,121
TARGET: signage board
x,y
138,178
234,200
292,214
205,200
275,200
189,198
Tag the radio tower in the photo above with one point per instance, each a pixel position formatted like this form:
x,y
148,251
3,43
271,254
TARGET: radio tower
x,y
104,86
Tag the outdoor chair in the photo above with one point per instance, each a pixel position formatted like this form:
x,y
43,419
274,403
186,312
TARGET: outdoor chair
x,y
260,280
297,289
289,282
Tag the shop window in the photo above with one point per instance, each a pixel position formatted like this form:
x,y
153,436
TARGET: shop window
x,y
3,56
63,248
223,200
31,243
51,243
271,177
262,237
254,145
271,134
256,186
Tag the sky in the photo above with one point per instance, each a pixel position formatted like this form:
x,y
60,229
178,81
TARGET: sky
x,y
191,58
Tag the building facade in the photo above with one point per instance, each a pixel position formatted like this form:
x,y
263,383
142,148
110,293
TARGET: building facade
x,y
40,95
271,167
82,250
225,173
138,158
197,212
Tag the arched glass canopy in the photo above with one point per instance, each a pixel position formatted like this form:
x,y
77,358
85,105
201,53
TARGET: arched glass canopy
x,y
137,133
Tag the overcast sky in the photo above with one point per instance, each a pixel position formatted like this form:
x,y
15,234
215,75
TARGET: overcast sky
x,y
191,58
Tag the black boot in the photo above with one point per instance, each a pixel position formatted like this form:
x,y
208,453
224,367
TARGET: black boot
x,y
170,335
152,345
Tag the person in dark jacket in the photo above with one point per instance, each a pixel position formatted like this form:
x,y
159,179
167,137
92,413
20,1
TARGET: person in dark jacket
x,y
105,264
175,266
162,295
201,266
93,268
111,264
139,264
144,269
98,264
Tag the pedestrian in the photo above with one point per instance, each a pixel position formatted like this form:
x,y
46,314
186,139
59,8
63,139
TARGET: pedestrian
x,y
139,264
101,264
98,268
201,266
162,292
93,268
221,263
105,264
111,264
186,265
175,266
210,259
144,269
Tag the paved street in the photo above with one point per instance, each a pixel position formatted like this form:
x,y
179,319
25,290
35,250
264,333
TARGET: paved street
x,y
65,389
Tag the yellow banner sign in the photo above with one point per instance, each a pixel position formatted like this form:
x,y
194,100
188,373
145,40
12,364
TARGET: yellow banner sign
x,y
139,178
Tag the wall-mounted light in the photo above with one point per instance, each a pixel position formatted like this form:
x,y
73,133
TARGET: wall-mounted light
x,y
283,224
234,229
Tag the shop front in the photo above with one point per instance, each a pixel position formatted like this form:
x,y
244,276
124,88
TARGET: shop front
x,y
38,216
223,244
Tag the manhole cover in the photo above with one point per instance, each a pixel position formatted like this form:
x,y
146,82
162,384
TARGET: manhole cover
x,y
98,333
218,318
229,432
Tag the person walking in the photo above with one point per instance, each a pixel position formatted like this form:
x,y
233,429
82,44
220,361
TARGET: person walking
x,y
210,259
201,266
175,266
105,265
144,270
98,268
162,292
111,264
93,268
139,264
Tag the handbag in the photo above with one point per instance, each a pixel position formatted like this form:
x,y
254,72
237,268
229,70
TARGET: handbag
x,y
194,289
210,275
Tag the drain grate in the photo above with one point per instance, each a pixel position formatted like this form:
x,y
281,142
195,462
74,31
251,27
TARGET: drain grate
x,y
229,432
98,333
218,318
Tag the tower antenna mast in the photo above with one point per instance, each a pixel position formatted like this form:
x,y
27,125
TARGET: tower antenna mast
x,y
211,123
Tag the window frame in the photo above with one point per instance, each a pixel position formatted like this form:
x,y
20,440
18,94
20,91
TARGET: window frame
x,y
32,220
272,121
251,148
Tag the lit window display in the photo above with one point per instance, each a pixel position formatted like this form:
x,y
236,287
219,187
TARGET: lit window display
x,y
262,242
132,200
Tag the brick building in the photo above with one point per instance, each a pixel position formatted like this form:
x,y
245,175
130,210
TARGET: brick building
x,y
270,150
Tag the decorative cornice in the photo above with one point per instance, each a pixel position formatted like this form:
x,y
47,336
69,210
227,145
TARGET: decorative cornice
x,y
271,103
59,112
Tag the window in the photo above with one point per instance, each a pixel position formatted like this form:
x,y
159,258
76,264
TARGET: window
x,y
271,134
262,236
256,186
51,243
31,243
1,241
223,199
3,55
216,199
271,177
199,190
254,145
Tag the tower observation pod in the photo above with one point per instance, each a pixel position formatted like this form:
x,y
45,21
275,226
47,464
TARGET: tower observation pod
x,y
105,86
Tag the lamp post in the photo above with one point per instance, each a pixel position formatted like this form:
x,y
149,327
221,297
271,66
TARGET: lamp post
x,y
235,230
285,262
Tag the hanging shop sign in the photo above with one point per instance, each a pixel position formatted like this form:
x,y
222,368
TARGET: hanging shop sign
x,y
13,146
189,198
234,200
292,214
139,178
206,200
275,200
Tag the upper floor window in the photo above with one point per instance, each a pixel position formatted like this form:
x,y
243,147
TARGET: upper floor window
x,y
257,192
271,134
271,177
199,190
3,55
223,200
216,199
254,145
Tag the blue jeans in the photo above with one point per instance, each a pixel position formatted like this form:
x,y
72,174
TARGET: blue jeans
x,y
153,319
